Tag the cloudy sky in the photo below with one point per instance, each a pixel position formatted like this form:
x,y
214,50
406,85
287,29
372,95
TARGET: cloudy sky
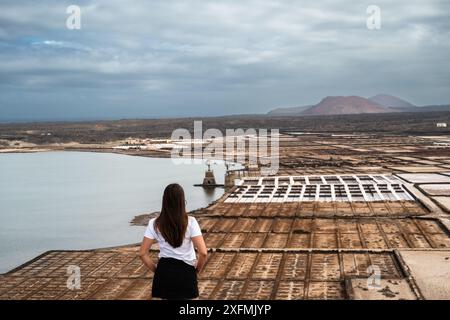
x,y
197,57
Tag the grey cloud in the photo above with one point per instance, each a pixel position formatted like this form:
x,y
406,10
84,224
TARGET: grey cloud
x,y
154,58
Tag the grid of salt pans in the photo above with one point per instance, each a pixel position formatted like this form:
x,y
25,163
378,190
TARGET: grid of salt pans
x,y
320,188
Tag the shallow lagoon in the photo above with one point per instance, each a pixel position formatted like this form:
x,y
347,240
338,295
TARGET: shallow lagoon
x,y
83,200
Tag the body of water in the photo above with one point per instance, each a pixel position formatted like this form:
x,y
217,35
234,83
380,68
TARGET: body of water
x,y
83,200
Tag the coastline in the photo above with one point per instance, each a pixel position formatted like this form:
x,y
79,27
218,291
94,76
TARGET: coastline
x,y
91,148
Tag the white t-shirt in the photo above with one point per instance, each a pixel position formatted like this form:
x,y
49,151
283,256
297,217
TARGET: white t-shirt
x,y
186,251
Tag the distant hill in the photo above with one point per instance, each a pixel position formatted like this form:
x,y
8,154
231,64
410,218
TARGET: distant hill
x,y
391,101
381,103
287,111
344,105
334,105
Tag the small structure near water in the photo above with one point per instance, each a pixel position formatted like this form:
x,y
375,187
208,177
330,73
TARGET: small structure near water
x,y
209,181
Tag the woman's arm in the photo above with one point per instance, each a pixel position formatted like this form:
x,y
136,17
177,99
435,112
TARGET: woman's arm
x,y
202,251
145,255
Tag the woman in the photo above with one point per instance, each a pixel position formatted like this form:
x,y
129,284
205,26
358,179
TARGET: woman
x,y
176,234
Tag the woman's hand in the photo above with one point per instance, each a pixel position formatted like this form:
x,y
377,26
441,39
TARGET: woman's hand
x,y
145,255
155,265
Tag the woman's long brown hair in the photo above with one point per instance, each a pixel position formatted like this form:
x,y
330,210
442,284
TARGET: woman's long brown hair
x,y
173,220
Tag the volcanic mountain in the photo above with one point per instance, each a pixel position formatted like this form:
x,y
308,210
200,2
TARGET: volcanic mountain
x,y
391,101
345,105
381,103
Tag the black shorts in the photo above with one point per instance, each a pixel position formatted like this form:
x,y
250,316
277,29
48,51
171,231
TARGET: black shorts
x,y
174,279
